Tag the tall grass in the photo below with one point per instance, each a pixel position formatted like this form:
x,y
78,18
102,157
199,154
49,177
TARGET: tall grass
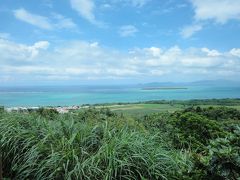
x,y
89,145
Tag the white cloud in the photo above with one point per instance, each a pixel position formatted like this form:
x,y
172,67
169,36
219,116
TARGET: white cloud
x,y
94,44
82,71
138,3
36,20
85,8
63,22
127,30
89,60
135,3
164,58
218,10
10,51
211,52
199,62
41,45
57,22
38,46
235,52
154,51
157,72
188,31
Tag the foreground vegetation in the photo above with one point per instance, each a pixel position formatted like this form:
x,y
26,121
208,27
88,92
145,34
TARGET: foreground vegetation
x,y
193,143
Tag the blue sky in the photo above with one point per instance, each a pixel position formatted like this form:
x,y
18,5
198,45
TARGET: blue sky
x,y
118,41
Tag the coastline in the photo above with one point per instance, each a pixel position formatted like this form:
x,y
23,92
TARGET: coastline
x,y
192,102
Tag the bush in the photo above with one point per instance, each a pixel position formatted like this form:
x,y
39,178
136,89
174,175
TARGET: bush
x,y
224,156
216,113
193,130
1,109
221,160
47,113
158,121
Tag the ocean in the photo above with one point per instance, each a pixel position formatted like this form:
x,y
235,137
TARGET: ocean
x,y
78,95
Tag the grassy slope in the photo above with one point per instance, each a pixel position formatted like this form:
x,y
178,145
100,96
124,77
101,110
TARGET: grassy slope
x,y
89,145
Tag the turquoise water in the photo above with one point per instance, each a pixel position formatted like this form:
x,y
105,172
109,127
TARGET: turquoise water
x,y
77,95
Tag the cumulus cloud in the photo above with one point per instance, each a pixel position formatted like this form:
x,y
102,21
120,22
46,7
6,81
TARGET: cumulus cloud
x,y
218,10
235,52
154,51
127,30
209,52
89,60
157,57
57,21
188,31
11,51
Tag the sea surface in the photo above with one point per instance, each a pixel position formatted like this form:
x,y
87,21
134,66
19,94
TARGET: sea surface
x,y
78,95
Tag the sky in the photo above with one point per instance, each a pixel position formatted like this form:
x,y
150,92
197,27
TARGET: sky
x,y
118,41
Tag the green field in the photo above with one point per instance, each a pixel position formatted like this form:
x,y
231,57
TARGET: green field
x,y
141,109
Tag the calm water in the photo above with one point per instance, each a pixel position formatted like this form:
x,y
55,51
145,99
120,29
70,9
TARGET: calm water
x,y
77,95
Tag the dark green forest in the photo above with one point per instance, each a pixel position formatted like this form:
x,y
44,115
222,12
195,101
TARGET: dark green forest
x,y
194,143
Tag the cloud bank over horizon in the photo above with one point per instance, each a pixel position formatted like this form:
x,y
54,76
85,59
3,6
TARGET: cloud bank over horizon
x,y
119,41
81,60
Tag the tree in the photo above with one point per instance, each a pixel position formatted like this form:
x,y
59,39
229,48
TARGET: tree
x,y
194,130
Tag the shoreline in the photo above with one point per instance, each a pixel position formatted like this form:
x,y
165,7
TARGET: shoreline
x,y
66,109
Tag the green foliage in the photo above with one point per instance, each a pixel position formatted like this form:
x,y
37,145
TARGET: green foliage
x,y
222,158
96,114
197,102
191,129
1,109
217,113
225,157
94,144
196,143
186,129
47,113
157,122
213,143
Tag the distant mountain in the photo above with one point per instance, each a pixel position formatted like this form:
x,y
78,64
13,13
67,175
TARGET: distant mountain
x,y
195,83
215,83
155,84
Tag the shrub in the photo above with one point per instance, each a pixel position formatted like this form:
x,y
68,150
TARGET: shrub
x,y
224,156
47,113
216,113
193,130
1,109
221,159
